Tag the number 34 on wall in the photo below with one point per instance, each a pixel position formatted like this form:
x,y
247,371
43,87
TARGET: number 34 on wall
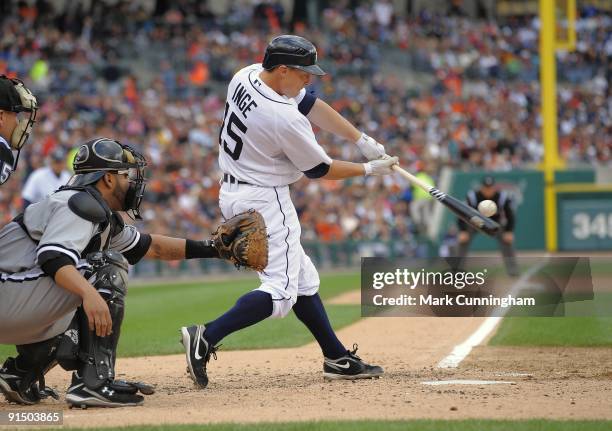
x,y
587,225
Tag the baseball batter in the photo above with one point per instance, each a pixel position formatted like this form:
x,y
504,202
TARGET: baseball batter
x,y
15,101
267,143
63,279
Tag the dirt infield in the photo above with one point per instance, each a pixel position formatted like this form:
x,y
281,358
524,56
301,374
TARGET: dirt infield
x,y
287,384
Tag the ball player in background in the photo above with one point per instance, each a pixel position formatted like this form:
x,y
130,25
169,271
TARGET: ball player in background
x,y
45,180
266,144
504,216
18,109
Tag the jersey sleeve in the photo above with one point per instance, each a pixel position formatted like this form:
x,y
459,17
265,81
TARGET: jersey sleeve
x,y
66,233
131,243
125,240
299,144
305,100
300,96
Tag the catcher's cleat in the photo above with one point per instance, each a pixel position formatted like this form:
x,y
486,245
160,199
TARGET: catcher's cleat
x,y
198,352
108,395
11,385
349,367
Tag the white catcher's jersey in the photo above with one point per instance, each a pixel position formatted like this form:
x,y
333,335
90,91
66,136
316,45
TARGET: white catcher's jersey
x,y
265,140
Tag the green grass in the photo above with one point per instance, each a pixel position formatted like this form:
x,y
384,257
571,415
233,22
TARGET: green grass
x,y
554,331
415,425
154,314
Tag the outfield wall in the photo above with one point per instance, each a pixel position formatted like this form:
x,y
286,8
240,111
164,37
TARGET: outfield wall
x,y
583,209
526,188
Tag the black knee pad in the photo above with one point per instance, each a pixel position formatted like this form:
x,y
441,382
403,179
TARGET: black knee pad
x,y
81,349
109,274
69,352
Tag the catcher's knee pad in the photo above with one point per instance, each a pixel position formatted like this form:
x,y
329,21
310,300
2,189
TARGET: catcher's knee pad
x,y
69,355
82,349
109,274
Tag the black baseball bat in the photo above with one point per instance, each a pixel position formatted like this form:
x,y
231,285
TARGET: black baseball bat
x,y
462,210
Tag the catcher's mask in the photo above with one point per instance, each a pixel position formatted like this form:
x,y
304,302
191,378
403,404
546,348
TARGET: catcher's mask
x,y
102,155
15,97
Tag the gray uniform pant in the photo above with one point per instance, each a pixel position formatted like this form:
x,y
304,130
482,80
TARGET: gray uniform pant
x,y
33,310
507,251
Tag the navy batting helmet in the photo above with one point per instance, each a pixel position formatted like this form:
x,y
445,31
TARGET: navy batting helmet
x,y
293,51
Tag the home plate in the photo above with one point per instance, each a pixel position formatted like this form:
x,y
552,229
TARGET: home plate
x,y
466,382
511,374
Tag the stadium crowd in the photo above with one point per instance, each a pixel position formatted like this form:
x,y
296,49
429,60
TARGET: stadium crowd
x,y
154,80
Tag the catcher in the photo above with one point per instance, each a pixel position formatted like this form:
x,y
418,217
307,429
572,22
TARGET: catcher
x,y
63,277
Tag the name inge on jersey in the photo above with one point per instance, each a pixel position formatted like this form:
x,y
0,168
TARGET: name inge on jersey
x,y
243,100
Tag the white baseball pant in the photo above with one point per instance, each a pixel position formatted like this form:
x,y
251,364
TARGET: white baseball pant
x,y
290,272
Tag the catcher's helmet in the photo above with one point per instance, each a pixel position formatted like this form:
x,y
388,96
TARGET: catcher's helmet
x,y
15,97
101,155
292,51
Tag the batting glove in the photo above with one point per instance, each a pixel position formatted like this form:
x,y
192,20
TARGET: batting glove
x,y
381,166
368,146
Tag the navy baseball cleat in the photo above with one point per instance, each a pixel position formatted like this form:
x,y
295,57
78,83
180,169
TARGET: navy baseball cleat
x,y
198,352
11,385
108,395
349,367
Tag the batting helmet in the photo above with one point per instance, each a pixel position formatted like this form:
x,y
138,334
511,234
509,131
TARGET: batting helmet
x,y
101,155
292,51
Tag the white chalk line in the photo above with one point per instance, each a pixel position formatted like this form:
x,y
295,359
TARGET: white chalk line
x,y
461,351
466,382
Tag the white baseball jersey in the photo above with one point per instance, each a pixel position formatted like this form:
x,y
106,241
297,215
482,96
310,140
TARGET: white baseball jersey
x,y
265,140
42,182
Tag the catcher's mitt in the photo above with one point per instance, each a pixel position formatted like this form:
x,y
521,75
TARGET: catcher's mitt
x,y
243,240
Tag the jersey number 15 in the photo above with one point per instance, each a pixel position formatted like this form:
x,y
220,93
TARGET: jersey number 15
x,y
232,121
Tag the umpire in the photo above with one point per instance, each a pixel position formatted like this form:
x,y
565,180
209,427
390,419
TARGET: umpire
x,y
18,109
63,279
504,216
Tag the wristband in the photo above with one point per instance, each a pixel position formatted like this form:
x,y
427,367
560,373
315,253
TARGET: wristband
x,y
200,249
368,168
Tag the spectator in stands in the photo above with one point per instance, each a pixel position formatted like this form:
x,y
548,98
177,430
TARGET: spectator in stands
x,y
44,181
